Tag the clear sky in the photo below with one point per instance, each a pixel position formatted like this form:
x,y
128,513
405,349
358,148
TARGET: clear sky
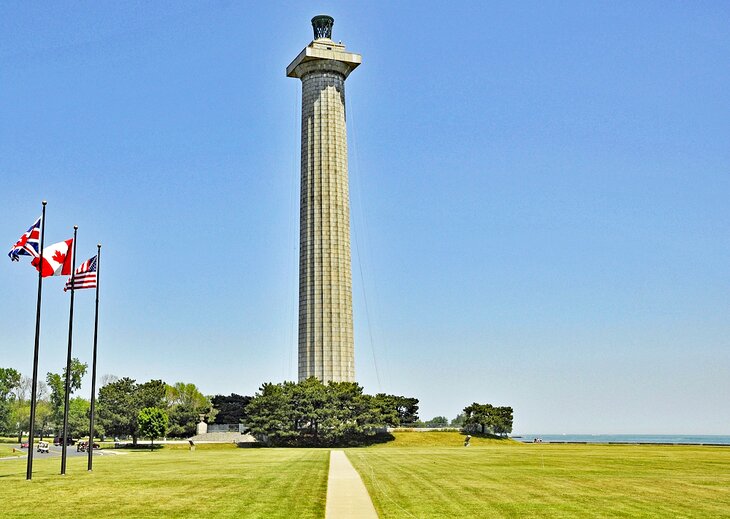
x,y
540,199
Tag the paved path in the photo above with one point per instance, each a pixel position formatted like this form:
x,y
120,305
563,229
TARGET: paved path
x,y
347,497
55,451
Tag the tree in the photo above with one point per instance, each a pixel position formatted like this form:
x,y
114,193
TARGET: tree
x,y
497,420
24,390
117,408
19,418
78,417
438,421
397,410
479,415
151,394
231,409
355,416
17,406
502,422
185,403
58,390
271,414
458,421
43,418
57,383
312,413
152,423
120,402
9,383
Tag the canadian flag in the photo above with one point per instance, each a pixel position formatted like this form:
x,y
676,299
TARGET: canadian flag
x,y
56,260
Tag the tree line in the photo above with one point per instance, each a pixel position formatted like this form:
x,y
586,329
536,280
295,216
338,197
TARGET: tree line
x,y
118,405
15,395
307,413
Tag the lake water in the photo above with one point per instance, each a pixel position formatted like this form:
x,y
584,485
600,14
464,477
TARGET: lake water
x,y
625,438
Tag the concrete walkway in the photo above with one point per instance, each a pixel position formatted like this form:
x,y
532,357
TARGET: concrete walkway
x,y
347,497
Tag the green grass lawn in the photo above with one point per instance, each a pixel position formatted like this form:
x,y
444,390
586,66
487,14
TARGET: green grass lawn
x,y
417,475
441,439
237,483
7,450
515,480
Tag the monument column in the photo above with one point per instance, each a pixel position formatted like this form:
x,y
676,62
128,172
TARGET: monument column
x,y
326,345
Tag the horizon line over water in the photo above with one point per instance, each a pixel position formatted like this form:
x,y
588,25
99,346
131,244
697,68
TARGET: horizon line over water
x,y
715,439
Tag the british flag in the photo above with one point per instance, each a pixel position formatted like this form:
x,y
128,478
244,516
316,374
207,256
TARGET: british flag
x,y
28,244
85,276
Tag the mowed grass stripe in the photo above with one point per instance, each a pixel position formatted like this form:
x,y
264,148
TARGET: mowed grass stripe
x,y
217,483
547,481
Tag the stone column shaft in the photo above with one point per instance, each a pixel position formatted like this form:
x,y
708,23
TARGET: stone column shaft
x,y
326,343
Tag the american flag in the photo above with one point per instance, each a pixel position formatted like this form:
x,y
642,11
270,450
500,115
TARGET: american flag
x,y
85,276
28,244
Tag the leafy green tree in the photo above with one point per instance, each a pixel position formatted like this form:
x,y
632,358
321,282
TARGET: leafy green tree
x,y
185,403
57,383
312,413
502,421
479,415
78,417
120,402
9,383
407,408
397,410
438,421
355,416
152,423
117,408
231,408
387,407
271,414
310,408
151,394
58,389
458,421
43,418
497,420
18,417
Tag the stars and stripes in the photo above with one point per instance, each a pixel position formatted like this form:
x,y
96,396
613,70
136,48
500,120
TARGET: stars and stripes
x,y
28,244
85,276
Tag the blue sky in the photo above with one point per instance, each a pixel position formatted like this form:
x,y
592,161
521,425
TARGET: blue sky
x,y
539,197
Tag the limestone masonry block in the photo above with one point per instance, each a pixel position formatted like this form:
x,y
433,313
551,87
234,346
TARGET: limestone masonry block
x,y
326,343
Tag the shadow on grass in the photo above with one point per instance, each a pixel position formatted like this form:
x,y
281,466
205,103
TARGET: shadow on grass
x,y
381,437
308,441
139,446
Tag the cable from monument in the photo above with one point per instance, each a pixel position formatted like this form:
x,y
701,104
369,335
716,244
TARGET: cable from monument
x,y
292,242
356,170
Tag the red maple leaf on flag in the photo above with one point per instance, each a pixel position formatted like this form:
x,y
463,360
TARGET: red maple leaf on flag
x,y
58,257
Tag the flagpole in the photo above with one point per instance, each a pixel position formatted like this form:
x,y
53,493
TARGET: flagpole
x,y
90,446
33,391
68,360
